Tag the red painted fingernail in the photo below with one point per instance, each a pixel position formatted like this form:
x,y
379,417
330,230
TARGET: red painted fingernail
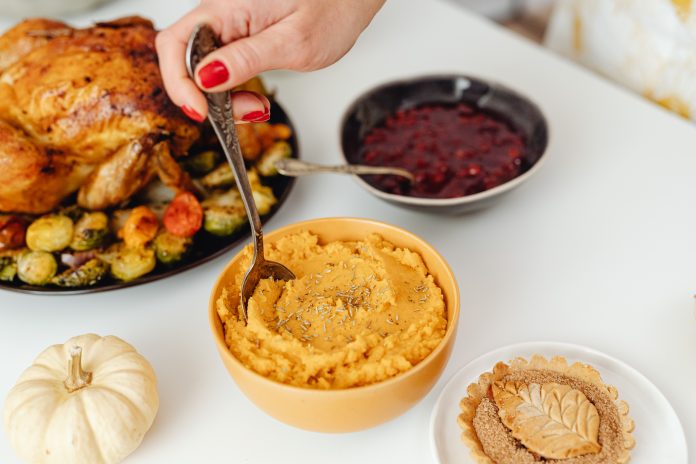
x,y
213,74
263,118
191,113
253,116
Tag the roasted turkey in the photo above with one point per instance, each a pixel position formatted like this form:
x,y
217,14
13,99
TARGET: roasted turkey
x,y
84,110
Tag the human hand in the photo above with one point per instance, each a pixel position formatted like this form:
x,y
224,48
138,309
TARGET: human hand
x,y
258,35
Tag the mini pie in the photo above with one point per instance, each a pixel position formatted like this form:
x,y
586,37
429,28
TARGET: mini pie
x,y
545,411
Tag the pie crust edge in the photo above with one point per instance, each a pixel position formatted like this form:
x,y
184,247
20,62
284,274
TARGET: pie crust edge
x,y
477,391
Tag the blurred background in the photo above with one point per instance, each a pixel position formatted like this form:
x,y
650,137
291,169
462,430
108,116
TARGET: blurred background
x,y
647,46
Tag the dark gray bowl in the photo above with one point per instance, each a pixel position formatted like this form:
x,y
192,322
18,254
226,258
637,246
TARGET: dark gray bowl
x,y
374,106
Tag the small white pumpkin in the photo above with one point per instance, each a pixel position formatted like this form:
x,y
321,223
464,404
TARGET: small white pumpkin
x,y
89,401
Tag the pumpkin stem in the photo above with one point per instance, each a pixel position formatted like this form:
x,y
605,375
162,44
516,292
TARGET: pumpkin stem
x,y
77,378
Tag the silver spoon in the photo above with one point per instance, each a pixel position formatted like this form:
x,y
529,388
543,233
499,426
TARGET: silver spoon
x,y
293,167
202,42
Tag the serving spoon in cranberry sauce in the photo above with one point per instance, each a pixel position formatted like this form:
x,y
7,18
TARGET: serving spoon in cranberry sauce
x,y
294,167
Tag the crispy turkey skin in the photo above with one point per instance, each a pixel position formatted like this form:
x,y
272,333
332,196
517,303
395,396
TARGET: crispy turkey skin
x,y
84,110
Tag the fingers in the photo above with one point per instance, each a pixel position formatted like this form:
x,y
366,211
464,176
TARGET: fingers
x,y
250,107
241,60
246,106
171,50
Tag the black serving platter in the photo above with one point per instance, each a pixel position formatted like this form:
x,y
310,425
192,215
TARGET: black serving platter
x,y
205,246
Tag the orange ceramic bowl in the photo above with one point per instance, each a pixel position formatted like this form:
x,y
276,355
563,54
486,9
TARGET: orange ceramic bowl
x,y
351,409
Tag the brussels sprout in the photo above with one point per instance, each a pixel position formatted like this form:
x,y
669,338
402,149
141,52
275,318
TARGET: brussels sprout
x,y
229,197
50,233
36,267
201,163
171,248
222,176
8,268
87,274
264,198
130,263
74,212
90,231
266,165
224,213
223,220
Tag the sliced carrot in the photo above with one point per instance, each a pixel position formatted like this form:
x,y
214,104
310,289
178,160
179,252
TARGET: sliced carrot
x,y
184,215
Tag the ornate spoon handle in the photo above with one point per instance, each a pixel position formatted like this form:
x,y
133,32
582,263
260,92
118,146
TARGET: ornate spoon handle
x,y
202,42
293,167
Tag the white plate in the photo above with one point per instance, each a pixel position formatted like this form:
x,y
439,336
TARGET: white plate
x,y
659,434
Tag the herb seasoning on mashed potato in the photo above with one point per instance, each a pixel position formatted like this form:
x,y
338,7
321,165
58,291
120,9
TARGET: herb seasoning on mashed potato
x,y
359,312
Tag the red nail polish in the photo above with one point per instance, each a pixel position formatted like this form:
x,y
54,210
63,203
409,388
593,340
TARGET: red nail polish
x,y
191,113
253,116
263,118
213,74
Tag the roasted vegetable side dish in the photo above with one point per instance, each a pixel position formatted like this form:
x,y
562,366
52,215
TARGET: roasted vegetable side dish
x,y
89,136
170,248
12,232
73,247
279,150
87,274
8,268
130,263
91,231
50,233
140,227
36,267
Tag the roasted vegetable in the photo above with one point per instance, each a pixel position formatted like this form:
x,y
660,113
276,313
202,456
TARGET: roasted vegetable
x,y
87,274
264,198
12,232
171,248
268,134
36,267
254,179
201,163
77,259
249,141
184,215
90,231
224,220
222,176
118,219
8,268
50,233
129,263
74,212
266,165
224,213
140,227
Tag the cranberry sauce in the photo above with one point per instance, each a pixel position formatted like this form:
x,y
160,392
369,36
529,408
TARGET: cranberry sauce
x,y
453,150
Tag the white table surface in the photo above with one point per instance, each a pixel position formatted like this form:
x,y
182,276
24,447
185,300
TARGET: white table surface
x,y
597,249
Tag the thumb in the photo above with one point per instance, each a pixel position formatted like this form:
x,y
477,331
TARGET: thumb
x,y
239,61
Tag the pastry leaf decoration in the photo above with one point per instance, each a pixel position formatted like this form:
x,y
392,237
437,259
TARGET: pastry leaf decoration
x,y
552,420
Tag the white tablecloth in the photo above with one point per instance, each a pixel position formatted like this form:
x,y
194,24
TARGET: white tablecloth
x,y
597,249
